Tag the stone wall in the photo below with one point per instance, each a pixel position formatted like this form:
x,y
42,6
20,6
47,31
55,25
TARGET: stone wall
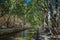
x,y
12,20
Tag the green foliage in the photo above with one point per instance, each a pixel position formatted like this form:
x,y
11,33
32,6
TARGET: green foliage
x,y
32,12
4,7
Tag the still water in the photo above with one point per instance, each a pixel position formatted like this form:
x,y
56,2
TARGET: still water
x,y
17,36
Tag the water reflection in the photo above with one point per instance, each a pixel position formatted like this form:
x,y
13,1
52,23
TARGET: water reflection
x,y
7,38
17,36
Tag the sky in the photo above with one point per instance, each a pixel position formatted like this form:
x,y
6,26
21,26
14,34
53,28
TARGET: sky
x,y
48,14
27,1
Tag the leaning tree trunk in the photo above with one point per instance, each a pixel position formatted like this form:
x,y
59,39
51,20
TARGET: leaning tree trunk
x,y
54,17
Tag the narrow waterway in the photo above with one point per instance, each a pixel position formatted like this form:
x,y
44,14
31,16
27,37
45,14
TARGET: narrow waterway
x,y
17,36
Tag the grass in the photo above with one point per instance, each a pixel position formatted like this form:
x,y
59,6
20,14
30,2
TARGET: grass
x,y
21,38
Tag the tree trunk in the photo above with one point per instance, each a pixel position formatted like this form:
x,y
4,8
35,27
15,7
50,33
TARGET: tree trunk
x,y
54,18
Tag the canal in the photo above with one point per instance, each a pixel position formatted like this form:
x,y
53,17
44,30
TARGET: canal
x,y
24,35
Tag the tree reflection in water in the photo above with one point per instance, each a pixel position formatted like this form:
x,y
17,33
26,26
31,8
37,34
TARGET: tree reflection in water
x,y
7,38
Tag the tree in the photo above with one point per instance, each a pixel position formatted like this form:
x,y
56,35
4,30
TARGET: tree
x,y
4,7
31,12
54,12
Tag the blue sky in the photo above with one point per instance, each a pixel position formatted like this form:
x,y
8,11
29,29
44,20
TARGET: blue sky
x,y
48,14
27,1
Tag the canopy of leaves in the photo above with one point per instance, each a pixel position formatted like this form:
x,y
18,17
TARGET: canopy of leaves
x,y
4,7
32,12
